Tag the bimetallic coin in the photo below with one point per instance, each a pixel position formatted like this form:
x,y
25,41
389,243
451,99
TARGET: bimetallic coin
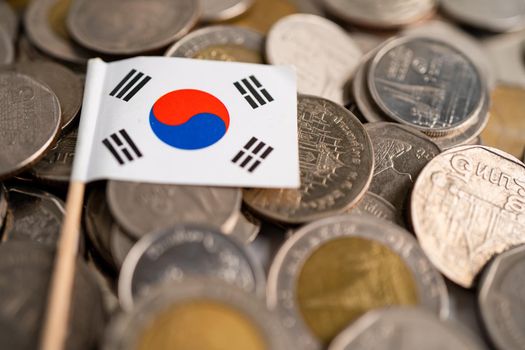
x,y
8,20
467,205
400,153
221,43
198,314
380,13
141,208
501,300
126,28
427,84
332,271
175,254
375,205
7,51
221,10
324,55
26,268
404,328
264,13
487,14
336,163
45,25
29,121
57,164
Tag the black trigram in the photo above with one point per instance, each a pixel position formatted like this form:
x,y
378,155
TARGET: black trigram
x,y
253,92
130,85
252,154
120,144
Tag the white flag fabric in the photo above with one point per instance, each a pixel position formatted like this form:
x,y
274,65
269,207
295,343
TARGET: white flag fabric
x,y
184,121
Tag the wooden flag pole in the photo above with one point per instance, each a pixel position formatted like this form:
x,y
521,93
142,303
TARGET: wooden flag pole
x,y
60,294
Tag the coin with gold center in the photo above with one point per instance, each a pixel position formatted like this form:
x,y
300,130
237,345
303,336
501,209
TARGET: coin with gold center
x,y
334,270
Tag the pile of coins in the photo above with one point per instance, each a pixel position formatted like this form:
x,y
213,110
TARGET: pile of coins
x,y
408,229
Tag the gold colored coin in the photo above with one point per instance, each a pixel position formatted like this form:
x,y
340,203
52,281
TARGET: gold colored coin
x,y
231,53
201,324
345,278
264,13
57,18
506,127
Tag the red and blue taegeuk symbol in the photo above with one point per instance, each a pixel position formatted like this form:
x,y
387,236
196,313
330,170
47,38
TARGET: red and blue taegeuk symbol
x,y
189,119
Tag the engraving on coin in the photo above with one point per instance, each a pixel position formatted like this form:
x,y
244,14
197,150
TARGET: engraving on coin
x,y
404,328
104,25
221,43
29,121
426,83
501,299
140,208
177,253
221,10
400,153
368,283
468,205
377,206
336,162
324,55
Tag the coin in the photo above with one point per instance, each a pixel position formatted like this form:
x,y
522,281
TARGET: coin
x,y
220,43
362,95
404,328
500,300
380,13
45,25
140,208
8,20
136,26
193,315
487,14
427,84
221,10
375,205
468,205
29,121
247,228
7,51
506,127
26,268
57,164
120,245
264,13
400,153
174,254
324,55
66,85
336,163
332,271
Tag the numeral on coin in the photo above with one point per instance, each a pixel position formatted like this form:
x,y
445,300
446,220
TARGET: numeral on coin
x,y
252,155
132,83
253,91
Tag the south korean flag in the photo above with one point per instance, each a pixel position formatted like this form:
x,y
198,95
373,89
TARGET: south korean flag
x,y
185,121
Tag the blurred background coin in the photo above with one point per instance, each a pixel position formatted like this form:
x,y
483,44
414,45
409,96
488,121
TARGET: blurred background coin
x,y
264,13
221,43
221,10
8,20
247,228
377,206
7,51
130,27
175,254
29,122
336,163
324,55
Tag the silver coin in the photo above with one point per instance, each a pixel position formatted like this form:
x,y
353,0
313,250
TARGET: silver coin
x,y
8,20
377,206
7,51
126,28
120,245
44,22
427,84
336,163
57,164
221,10
26,268
140,208
400,153
223,43
174,254
381,13
289,262
467,205
247,228
127,331
486,14
3,206
66,85
404,328
501,300
324,55
361,94
29,121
